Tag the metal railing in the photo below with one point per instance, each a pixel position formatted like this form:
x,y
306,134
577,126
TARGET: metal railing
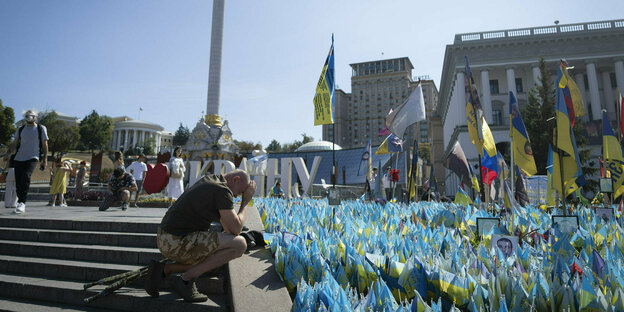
x,y
542,30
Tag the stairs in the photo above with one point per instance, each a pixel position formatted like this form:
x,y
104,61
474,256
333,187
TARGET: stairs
x,y
44,264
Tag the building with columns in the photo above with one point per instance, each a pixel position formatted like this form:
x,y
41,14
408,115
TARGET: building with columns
x,y
507,60
128,133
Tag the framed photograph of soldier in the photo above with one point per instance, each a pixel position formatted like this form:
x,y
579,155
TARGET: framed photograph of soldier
x,y
507,244
484,225
605,214
334,196
606,185
566,224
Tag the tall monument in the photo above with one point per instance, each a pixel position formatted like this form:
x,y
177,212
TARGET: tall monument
x,y
212,138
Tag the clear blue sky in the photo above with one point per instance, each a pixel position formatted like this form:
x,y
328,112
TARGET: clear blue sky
x,y
117,56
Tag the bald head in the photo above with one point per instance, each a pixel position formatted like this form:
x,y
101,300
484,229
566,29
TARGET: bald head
x,y
237,181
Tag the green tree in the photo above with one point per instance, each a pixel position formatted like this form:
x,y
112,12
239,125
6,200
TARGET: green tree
x,y
61,137
274,146
246,147
291,147
7,130
148,146
536,114
181,136
96,131
424,152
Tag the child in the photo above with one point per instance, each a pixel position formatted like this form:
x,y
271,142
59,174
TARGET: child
x,y
59,185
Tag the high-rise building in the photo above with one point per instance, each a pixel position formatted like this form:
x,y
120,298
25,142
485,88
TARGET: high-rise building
x,y
507,60
376,87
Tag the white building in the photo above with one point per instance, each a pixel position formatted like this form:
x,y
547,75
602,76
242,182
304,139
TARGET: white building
x,y
128,133
506,60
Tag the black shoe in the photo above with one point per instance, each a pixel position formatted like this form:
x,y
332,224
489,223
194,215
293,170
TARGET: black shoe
x,y
155,276
186,290
124,206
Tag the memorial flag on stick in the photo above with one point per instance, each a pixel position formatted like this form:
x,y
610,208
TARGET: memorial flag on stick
x,y
392,144
324,97
408,113
613,156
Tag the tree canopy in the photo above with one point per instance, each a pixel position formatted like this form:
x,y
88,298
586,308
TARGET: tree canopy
x,y
96,131
61,137
181,136
7,130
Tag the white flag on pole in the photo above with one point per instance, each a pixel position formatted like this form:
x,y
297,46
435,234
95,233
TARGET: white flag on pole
x,y
408,113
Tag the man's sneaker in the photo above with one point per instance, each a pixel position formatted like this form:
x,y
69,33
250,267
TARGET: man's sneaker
x,y
21,208
155,276
135,205
186,290
63,205
124,206
53,205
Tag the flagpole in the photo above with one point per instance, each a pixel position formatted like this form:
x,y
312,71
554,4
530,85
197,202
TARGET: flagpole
x,y
334,156
409,183
513,166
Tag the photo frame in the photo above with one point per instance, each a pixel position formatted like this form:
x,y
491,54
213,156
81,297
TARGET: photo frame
x,y
567,224
606,185
506,243
333,197
605,214
485,224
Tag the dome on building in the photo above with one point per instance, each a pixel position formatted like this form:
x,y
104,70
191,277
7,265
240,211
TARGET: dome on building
x,y
317,146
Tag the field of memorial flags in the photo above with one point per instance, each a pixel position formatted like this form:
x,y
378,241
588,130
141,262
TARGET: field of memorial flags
x,y
427,256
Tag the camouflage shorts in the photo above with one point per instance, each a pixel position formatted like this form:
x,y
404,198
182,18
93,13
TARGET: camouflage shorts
x,y
190,249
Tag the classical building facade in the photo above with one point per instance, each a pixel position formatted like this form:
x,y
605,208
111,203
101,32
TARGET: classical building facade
x,y
507,60
128,133
377,86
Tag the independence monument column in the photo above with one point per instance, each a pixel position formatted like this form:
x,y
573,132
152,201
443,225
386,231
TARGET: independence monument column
x,y
214,74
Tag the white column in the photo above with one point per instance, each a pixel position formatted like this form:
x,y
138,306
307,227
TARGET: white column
x,y
117,137
113,140
157,136
143,136
536,75
511,80
125,144
460,86
486,99
608,93
135,138
594,95
619,75
580,82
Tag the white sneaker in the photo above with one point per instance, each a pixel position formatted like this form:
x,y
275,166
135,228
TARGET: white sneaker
x,y
21,208
53,205
63,205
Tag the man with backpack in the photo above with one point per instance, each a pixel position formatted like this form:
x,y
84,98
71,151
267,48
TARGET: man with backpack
x,y
30,147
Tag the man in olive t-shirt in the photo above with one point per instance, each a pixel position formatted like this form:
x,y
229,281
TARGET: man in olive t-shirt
x,y
184,235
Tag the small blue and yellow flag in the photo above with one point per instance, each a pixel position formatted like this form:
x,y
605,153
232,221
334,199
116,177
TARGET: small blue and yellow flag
x,y
324,97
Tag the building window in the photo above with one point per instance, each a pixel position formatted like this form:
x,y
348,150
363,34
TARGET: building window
x,y
519,88
494,86
497,117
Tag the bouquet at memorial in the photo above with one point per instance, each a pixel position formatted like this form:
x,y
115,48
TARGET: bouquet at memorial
x,y
428,256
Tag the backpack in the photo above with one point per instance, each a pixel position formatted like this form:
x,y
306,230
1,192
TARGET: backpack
x,y
176,170
19,143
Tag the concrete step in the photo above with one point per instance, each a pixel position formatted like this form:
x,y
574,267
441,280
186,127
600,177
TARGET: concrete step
x,y
93,253
20,305
78,225
92,271
125,299
144,240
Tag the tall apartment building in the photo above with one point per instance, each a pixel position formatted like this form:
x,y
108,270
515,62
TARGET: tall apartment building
x,y
376,87
507,60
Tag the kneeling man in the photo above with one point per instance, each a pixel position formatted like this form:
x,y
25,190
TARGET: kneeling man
x,y
184,234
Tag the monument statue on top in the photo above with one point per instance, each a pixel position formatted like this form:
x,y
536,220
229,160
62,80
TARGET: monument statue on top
x,y
212,138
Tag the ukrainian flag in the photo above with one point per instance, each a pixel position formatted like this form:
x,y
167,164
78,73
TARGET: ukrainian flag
x,y
324,97
461,198
572,172
523,154
612,152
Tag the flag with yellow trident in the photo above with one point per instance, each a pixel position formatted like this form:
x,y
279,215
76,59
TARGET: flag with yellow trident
x,y
324,97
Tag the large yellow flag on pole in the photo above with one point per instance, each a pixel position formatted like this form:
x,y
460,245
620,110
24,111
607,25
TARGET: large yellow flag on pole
x,y
324,97
474,111
612,153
